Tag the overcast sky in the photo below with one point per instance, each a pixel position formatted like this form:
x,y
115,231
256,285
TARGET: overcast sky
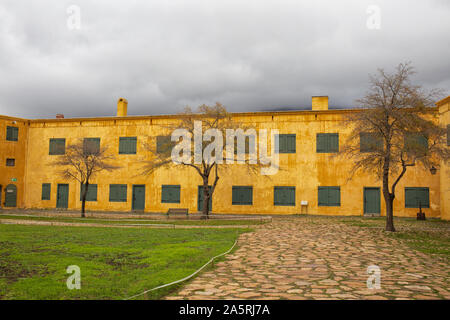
x,y
249,55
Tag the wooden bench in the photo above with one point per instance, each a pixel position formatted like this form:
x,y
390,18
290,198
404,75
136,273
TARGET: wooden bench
x,y
177,212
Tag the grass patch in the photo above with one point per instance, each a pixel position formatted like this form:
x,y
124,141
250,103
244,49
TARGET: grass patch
x,y
115,263
211,222
426,241
431,236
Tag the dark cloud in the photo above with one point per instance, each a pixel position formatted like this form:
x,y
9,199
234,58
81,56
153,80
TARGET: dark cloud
x,y
249,55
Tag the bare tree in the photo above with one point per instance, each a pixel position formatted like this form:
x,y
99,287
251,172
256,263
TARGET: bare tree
x,y
396,129
82,161
211,117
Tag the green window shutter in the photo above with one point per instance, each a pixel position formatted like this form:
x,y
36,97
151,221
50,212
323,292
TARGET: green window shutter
x,y
12,133
234,195
277,195
9,133
127,145
91,145
170,194
291,141
333,142
370,142
329,196
286,143
291,193
112,193
423,197
283,143
57,146
322,196
16,134
415,196
410,198
117,193
242,195
91,194
46,187
123,193
248,196
334,196
164,144
364,142
321,143
284,196
292,197
327,142
415,142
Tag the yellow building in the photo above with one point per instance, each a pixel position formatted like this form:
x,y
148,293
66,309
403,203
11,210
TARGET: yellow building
x,y
311,179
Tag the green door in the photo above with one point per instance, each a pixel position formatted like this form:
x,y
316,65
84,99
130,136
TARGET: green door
x,y
200,199
138,202
372,201
62,196
10,196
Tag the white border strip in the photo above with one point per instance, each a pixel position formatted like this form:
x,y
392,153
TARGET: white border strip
x,y
186,278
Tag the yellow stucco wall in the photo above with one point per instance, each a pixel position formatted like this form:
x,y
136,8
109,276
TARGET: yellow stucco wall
x,y
444,119
14,150
306,169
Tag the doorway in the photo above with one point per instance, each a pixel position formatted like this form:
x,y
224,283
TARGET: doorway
x,y
11,196
138,202
372,201
62,196
200,199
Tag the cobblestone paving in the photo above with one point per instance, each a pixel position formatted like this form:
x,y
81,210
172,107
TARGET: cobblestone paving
x,y
313,258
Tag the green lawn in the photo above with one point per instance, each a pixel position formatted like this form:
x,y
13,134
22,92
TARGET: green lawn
x,y
211,222
115,263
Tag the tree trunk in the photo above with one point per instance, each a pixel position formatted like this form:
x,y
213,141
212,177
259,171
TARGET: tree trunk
x,y
206,195
388,197
83,199
390,213
389,200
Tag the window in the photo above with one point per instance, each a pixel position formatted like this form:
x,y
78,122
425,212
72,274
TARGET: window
x,y
117,193
91,146
327,142
10,162
329,196
242,195
12,133
164,144
286,143
415,142
370,142
284,196
170,194
57,146
127,145
416,196
91,193
46,191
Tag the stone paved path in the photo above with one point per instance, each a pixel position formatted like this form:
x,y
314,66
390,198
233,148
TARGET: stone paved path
x,y
313,258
